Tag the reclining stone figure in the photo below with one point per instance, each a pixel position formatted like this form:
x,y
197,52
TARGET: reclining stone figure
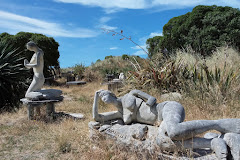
x,y
139,107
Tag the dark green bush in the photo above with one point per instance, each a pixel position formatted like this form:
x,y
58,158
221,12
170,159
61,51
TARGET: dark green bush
x,y
12,77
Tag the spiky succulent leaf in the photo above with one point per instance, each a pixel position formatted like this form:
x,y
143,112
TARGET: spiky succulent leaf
x,y
12,77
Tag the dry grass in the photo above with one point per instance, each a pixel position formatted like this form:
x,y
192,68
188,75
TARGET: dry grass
x,y
69,139
61,139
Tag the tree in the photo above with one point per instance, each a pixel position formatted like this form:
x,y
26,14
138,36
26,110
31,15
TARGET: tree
x,y
204,29
153,45
47,44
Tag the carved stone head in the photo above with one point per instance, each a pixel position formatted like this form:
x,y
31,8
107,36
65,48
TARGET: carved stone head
x,y
31,46
107,96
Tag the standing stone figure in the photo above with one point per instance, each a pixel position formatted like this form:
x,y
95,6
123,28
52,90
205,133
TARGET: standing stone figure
x,y
37,63
139,107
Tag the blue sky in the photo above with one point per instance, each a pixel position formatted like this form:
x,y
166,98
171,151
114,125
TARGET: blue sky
x,y
76,24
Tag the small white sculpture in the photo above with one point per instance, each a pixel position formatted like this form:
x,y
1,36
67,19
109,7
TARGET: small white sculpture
x,y
121,76
37,63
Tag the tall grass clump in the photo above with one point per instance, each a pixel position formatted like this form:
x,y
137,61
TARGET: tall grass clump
x,y
214,79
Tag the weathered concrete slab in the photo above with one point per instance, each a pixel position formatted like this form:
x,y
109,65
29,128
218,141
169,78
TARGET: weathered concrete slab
x,y
39,102
76,115
76,83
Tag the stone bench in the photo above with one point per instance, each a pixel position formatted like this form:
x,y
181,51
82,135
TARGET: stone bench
x,y
50,108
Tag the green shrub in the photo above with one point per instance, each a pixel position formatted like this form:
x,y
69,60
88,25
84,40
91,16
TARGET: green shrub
x,y
125,57
79,69
114,65
108,57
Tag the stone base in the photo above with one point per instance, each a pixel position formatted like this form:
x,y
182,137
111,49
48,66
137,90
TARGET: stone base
x,y
140,137
44,94
31,105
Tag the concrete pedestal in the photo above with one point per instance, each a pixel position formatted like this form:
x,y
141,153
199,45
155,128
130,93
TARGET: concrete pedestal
x,y
31,105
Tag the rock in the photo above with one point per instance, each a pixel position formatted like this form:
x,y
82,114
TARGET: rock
x,y
76,115
219,146
211,135
139,137
172,96
94,125
233,142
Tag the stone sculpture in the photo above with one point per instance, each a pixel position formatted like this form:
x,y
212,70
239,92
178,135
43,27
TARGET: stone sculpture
x,y
34,91
173,132
37,63
35,96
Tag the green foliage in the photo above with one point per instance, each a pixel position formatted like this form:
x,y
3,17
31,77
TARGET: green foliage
x,y
153,45
108,57
114,65
204,29
79,69
47,44
12,77
99,60
125,57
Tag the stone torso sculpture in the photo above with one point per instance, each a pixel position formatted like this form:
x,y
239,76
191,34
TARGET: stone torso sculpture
x,y
35,96
37,63
34,91
139,107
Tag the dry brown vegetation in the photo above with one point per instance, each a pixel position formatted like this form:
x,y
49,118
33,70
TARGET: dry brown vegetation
x,y
69,139
66,138
63,138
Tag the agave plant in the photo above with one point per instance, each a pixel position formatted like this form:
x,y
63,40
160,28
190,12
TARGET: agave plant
x,y
12,77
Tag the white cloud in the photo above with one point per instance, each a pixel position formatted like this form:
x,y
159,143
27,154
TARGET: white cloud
x,y
137,47
14,23
102,23
190,3
111,6
143,45
125,4
112,10
153,34
113,48
139,53
104,19
103,26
